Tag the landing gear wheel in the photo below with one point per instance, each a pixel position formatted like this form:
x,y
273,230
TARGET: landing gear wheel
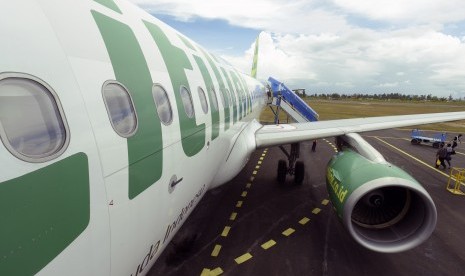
x,y
299,172
282,171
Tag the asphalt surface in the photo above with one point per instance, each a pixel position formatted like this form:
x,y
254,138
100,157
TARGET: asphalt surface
x,y
255,226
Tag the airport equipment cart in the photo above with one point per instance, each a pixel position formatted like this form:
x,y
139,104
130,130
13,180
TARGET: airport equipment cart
x,y
418,137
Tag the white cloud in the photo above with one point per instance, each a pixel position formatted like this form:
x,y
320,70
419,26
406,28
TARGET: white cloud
x,y
318,45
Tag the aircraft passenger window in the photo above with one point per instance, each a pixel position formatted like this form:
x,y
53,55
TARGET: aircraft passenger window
x,y
203,100
163,104
120,108
32,122
187,102
215,99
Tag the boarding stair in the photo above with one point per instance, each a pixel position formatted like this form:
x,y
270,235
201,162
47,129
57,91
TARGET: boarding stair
x,y
287,100
283,98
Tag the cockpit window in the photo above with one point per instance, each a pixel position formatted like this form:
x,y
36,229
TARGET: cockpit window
x,y
120,108
32,123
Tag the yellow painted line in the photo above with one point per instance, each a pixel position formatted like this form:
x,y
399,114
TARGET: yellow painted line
x,y
233,216
216,250
288,232
268,244
243,258
239,204
261,158
325,202
413,157
254,172
248,185
244,194
304,221
215,272
226,231
316,211
205,272
252,179
260,162
387,137
264,154
257,167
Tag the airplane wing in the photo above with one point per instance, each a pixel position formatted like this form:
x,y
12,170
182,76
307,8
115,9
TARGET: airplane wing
x,y
273,135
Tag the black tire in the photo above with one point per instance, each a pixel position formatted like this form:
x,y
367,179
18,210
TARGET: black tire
x,y
282,171
299,172
415,141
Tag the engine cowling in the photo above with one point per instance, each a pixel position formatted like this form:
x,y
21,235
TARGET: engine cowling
x,y
382,207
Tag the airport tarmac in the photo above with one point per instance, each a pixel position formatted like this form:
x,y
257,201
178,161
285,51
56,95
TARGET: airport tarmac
x,y
255,226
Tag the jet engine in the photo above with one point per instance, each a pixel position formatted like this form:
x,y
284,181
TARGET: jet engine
x,y
382,207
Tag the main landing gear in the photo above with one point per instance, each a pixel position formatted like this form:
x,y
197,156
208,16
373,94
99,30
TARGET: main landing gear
x,y
295,168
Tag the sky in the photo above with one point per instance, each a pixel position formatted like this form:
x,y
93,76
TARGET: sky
x,y
333,46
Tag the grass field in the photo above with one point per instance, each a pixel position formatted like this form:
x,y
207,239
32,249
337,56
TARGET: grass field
x,y
335,109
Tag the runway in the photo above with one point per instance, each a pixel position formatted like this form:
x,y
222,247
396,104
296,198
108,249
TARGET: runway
x,y
255,226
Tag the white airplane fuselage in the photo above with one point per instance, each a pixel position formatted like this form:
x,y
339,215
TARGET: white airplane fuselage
x,y
106,202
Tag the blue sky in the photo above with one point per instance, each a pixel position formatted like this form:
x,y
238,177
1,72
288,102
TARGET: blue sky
x,y
220,36
344,46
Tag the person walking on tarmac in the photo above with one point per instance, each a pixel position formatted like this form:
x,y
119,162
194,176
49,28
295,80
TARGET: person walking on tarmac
x,y
456,140
450,151
314,145
441,155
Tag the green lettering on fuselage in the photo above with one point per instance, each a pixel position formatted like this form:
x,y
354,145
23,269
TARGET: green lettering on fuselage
x,y
130,68
42,213
233,94
109,4
192,135
209,83
220,81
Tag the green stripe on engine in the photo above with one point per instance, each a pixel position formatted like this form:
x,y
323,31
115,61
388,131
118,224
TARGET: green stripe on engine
x,y
42,213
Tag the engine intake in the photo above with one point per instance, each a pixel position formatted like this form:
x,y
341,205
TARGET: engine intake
x,y
382,207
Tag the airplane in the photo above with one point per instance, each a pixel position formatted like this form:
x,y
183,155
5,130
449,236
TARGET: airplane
x,y
114,126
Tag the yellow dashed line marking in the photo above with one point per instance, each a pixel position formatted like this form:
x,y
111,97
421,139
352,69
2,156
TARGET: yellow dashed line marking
x,y
239,204
215,272
268,244
264,154
244,194
254,172
257,167
260,162
252,179
288,232
205,272
233,216
261,158
325,202
243,258
226,231
216,250
304,221
248,185
316,211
